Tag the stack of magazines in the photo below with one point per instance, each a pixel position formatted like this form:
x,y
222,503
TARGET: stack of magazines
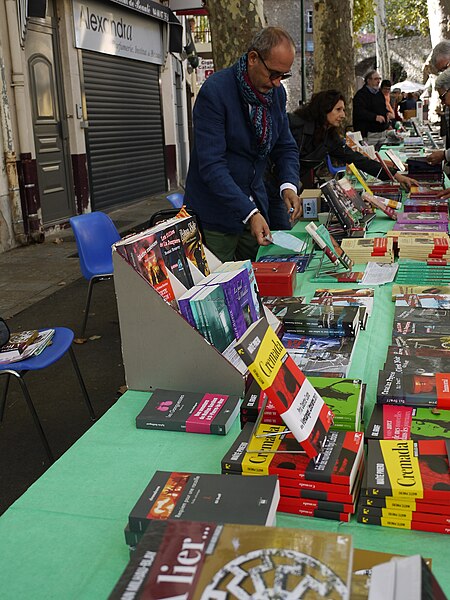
x,y
25,344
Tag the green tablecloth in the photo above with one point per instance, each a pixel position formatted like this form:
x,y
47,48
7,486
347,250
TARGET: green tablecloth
x,y
63,539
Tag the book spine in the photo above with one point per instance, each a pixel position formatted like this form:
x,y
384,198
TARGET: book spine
x,y
402,524
322,514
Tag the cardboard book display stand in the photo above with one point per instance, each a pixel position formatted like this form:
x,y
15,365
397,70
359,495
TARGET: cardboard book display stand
x,y
159,348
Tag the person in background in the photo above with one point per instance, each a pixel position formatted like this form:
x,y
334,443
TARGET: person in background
x,y
386,91
409,103
396,98
239,120
440,57
370,115
442,85
316,128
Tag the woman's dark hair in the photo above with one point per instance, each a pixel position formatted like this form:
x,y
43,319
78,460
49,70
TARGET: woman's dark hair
x,y
319,106
386,83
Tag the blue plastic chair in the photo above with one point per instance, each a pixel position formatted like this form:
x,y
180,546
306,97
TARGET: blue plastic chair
x,y
61,344
176,199
334,170
95,233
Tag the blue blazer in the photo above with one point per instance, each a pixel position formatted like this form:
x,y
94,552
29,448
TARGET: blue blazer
x,y
225,169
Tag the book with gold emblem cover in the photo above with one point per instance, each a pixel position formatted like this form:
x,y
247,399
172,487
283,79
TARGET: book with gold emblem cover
x,y
193,561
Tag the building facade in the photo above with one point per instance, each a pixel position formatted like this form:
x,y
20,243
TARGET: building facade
x,y
93,110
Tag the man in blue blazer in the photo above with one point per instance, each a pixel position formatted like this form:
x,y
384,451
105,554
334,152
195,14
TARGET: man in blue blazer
x,y
239,120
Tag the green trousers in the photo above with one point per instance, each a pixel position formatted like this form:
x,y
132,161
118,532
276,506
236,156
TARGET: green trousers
x,y
231,246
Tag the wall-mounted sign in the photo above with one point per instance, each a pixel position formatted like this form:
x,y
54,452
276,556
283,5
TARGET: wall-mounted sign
x,y
111,30
147,7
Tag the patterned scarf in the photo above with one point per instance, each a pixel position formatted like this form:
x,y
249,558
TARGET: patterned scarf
x,y
259,103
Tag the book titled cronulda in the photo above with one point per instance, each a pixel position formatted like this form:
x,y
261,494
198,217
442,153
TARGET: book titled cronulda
x,y
298,403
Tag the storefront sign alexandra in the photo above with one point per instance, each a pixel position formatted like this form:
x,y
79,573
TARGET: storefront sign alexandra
x,y
111,30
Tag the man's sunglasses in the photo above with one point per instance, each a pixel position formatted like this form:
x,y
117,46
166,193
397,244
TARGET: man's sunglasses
x,y
442,96
273,75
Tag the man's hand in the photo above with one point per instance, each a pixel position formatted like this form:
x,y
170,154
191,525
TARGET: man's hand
x,y
444,194
293,204
380,119
436,157
406,182
260,229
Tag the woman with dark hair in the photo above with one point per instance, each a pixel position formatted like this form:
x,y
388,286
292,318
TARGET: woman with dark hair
x,y
316,129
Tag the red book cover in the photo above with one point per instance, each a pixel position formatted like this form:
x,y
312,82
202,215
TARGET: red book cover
x,y
313,512
281,455
300,406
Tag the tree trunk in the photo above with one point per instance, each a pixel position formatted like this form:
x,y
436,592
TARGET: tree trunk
x,y
233,24
439,20
381,40
333,48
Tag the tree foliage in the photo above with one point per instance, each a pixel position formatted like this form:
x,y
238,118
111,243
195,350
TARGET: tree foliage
x,y
404,17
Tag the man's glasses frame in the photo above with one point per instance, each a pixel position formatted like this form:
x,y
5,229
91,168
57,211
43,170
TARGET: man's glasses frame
x,y
273,75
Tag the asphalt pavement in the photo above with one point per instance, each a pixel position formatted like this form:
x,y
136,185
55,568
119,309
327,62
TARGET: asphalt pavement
x,y
41,286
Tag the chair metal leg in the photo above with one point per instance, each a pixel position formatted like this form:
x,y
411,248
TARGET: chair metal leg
x,y
3,398
82,385
88,302
34,414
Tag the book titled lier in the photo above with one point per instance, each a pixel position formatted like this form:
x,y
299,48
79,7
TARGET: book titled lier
x,y
300,406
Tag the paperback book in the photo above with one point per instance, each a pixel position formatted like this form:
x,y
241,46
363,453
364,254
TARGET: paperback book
x,y
389,422
413,363
419,390
329,245
173,410
422,217
200,496
33,348
338,464
345,297
257,554
212,317
428,345
320,319
436,301
408,469
420,321
298,403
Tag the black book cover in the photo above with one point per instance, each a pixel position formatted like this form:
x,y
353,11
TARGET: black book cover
x,y
425,345
421,390
419,321
319,316
174,410
417,364
173,254
200,496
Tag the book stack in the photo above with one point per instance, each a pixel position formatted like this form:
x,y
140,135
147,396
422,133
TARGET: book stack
x,y
187,560
25,344
389,207
389,191
378,249
424,249
203,497
320,356
421,297
222,305
418,204
319,320
424,172
345,297
419,273
326,487
407,423
422,217
345,397
407,485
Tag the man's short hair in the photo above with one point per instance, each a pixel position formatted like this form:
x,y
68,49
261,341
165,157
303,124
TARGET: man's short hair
x,y
443,80
268,38
368,75
395,90
441,50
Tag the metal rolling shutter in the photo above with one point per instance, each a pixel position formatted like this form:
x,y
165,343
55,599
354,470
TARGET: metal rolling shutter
x,y
125,134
